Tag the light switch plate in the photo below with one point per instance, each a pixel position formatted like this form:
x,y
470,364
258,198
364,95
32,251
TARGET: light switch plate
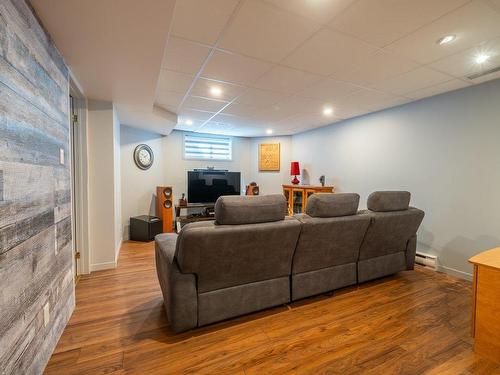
x,y
46,314
61,156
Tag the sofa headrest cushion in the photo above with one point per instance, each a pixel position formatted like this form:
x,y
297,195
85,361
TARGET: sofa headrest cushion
x,y
250,209
382,201
332,204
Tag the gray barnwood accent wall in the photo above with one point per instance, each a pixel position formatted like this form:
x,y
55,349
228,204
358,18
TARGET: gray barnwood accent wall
x,y
35,200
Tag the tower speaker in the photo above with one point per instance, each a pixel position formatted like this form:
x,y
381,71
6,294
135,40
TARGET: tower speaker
x,y
252,189
165,207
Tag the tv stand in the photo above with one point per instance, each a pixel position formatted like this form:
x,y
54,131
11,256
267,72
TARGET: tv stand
x,y
193,212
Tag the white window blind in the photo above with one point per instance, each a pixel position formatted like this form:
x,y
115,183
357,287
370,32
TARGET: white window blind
x,y
207,147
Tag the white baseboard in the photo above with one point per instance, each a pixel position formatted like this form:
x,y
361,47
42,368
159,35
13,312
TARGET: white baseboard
x,y
455,272
117,251
102,266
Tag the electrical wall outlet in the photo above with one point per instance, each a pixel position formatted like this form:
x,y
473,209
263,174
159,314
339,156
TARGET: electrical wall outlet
x,y
61,156
46,314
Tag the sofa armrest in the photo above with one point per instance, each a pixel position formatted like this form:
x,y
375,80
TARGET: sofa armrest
x,y
167,242
411,250
179,290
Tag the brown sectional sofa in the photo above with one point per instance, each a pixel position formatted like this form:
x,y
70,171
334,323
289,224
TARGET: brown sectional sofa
x,y
253,257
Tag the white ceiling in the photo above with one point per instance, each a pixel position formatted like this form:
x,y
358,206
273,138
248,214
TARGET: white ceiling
x,y
280,62
114,48
277,63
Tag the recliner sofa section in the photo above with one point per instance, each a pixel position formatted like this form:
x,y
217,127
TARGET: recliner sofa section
x,y
328,248
238,264
252,257
390,242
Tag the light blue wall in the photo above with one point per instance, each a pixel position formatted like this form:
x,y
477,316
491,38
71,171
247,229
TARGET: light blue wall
x,y
445,150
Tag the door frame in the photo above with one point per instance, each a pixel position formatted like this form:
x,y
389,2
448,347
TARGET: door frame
x,y
80,208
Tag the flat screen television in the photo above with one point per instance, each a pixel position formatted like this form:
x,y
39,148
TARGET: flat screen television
x,y
205,186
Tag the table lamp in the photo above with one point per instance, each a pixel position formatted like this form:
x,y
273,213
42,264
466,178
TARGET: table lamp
x,y
295,171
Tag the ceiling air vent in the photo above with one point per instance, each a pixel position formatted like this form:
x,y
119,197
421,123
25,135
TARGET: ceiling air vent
x,y
485,73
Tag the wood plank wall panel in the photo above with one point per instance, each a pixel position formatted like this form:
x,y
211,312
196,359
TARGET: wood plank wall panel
x,y
35,192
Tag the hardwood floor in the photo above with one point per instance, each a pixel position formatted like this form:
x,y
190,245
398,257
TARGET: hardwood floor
x,y
411,323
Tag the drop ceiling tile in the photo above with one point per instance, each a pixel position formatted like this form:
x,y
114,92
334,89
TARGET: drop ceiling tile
x,y
241,110
187,123
329,90
463,63
229,91
286,80
411,81
472,24
201,21
495,4
231,67
306,121
213,127
194,115
184,56
263,31
272,114
328,52
378,66
267,115
384,21
319,11
373,100
204,104
488,77
169,100
296,105
257,114
235,121
258,97
349,110
453,84
174,81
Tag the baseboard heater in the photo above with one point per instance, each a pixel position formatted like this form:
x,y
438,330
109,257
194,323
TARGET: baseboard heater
x,y
426,260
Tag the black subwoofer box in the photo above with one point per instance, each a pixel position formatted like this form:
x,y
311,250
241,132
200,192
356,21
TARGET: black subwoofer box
x,y
145,228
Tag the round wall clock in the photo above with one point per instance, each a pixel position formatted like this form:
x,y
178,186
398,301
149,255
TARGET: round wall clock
x,y
143,156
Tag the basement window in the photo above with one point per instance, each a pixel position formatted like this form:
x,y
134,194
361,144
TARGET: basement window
x,y
207,147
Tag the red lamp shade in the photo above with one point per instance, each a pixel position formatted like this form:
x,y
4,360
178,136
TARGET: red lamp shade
x,y
295,171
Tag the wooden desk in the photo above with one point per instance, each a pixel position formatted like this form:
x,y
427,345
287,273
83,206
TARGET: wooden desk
x,y
486,304
297,195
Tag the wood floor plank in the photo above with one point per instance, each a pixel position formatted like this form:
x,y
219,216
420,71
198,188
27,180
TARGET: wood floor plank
x,y
411,323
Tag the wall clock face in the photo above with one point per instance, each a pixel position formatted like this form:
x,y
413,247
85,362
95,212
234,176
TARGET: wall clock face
x,y
143,156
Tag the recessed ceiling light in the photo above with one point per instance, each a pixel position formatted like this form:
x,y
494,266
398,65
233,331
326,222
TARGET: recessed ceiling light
x,y
481,58
446,39
328,111
269,131
215,90
189,122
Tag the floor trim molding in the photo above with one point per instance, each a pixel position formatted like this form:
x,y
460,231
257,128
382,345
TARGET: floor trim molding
x,y
455,272
102,266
